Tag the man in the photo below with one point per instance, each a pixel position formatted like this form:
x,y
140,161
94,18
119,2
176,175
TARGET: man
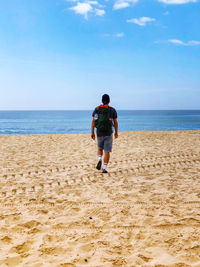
x,y
104,118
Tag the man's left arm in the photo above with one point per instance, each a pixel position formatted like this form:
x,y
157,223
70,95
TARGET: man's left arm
x,y
114,115
116,128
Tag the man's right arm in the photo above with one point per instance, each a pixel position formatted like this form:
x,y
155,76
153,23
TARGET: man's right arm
x,y
92,129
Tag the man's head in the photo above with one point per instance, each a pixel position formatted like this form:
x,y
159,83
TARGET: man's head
x,y
105,99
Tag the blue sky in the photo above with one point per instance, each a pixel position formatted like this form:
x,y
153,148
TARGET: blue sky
x,y
61,54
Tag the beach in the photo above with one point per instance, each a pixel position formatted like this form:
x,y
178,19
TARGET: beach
x,y
56,209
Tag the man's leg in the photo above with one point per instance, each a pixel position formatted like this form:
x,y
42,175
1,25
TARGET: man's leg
x,y
106,157
99,153
106,160
107,150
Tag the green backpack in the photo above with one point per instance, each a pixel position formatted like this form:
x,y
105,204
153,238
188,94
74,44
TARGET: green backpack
x,y
102,123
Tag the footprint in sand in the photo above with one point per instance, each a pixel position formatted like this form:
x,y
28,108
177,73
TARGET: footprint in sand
x,y
21,249
6,240
30,224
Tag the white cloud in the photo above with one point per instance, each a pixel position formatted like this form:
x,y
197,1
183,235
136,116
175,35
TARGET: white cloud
x,y
177,2
120,4
99,12
194,42
83,8
92,2
179,42
72,1
141,21
119,35
123,3
175,41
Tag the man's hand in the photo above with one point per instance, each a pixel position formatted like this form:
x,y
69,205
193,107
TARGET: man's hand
x,y
116,135
93,136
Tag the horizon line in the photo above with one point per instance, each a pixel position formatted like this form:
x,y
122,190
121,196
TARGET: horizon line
x,y
92,109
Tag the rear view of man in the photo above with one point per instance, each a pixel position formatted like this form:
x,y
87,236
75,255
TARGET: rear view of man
x,y
104,118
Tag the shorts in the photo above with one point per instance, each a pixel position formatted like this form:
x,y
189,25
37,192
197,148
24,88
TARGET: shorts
x,y
105,143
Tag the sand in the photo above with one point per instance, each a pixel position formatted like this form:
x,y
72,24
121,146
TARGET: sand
x,y
56,209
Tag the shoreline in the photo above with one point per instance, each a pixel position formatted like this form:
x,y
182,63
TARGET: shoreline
x,y
136,131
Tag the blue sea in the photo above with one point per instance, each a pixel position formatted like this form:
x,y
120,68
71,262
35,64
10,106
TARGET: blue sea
x,y
61,122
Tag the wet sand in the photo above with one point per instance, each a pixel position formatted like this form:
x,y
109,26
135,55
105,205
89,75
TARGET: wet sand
x,y
56,209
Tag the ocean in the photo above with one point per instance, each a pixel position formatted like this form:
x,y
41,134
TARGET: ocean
x,y
65,122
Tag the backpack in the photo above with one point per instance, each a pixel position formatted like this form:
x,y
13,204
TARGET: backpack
x,y
103,123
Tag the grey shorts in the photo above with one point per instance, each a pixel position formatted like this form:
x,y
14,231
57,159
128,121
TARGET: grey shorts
x,y
105,143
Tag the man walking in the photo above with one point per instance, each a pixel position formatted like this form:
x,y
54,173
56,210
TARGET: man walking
x,y
104,118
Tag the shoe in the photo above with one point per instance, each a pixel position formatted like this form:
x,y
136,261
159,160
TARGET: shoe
x,y
98,167
104,171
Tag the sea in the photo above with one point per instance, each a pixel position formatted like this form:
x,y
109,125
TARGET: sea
x,y
79,121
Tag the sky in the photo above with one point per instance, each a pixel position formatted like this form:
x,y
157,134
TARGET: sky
x,y
64,54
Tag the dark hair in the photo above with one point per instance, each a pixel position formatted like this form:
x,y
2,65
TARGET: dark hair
x,y
105,99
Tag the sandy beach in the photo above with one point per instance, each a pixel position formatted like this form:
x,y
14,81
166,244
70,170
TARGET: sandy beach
x,y
56,209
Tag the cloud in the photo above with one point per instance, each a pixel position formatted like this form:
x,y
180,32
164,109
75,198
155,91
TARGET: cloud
x,y
72,1
175,41
123,3
118,35
120,4
177,2
194,42
179,42
99,12
92,2
83,8
141,21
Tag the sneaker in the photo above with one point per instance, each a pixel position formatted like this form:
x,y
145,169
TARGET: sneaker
x,y
104,171
99,165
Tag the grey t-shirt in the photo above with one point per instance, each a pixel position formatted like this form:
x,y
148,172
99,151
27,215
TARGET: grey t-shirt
x,y
112,115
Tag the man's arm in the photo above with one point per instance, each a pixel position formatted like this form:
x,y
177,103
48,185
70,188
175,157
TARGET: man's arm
x,y
92,129
116,128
